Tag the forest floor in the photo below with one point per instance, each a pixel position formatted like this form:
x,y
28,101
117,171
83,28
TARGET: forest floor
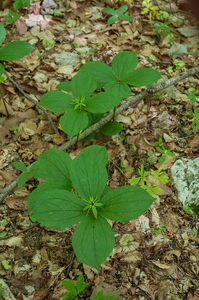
x,y
155,256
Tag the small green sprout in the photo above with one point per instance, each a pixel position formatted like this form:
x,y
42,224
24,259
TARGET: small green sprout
x,y
124,138
163,150
17,129
124,168
55,12
179,64
155,232
67,25
5,264
191,95
1,293
118,15
76,45
48,43
164,29
196,117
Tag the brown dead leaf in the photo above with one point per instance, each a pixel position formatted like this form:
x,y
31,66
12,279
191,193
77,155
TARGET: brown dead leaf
x,y
194,142
17,203
39,295
171,222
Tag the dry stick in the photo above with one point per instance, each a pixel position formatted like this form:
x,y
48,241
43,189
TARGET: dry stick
x,y
151,90
34,102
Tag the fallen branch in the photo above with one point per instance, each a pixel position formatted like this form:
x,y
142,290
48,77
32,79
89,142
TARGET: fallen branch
x,y
133,101
34,102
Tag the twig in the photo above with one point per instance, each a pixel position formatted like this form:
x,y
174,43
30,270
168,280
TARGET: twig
x,y
135,100
34,102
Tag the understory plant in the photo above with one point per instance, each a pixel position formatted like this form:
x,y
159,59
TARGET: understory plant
x,y
74,291
153,11
118,15
11,51
164,29
12,16
151,189
75,191
163,151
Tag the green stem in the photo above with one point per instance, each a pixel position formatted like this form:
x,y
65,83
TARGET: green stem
x,y
81,297
4,102
77,138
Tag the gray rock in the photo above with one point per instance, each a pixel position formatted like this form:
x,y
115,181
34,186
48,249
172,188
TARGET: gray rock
x,y
186,179
189,31
67,58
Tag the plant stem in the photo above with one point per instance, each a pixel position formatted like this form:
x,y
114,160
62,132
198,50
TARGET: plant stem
x,y
81,297
77,138
4,102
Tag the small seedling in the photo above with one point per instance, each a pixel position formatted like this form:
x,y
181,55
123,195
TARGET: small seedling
x,y
67,25
164,29
124,138
152,57
16,129
5,264
124,168
55,12
76,45
118,15
74,291
143,179
155,232
194,233
152,10
25,175
191,95
179,64
48,43
11,17
163,150
170,69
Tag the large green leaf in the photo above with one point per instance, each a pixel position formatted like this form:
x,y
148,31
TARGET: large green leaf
x,y
42,189
57,101
83,85
54,165
121,90
142,77
64,86
101,102
110,11
96,151
58,209
126,18
93,241
2,34
1,69
125,203
72,122
101,71
15,50
111,128
123,63
89,176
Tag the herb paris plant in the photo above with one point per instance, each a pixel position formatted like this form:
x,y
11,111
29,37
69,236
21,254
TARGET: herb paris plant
x,y
116,79
82,87
53,205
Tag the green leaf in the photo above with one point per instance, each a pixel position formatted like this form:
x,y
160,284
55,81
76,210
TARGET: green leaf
x,y
79,282
22,179
72,122
58,209
20,166
123,63
54,165
64,86
125,203
106,191
15,50
111,128
69,296
156,190
142,77
42,189
162,159
88,176
126,18
93,241
99,295
101,102
95,151
112,20
83,85
2,70
92,119
135,180
69,286
110,11
122,10
57,101
2,34
121,90
101,71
